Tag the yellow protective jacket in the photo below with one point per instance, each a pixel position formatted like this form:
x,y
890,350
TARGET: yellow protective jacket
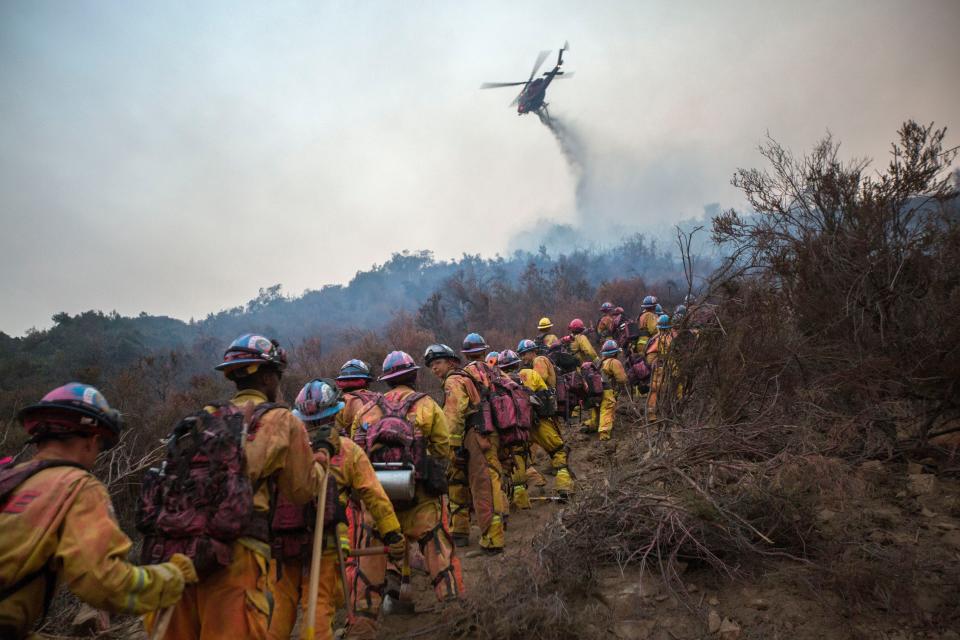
x,y
353,402
532,380
543,366
613,372
280,448
658,348
352,470
648,322
582,348
62,518
461,400
605,327
549,339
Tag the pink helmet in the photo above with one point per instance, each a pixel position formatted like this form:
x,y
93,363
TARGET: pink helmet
x,y
72,408
252,350
576,326
396,364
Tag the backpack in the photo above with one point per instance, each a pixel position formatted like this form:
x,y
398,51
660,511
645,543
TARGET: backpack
x,y
546,405
10,479
292,524
593,381
638,371
394,440
627,332
564,361
512,410
200,499
482,420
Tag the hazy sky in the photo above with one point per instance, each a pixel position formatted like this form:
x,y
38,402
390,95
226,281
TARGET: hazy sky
x,y
174,157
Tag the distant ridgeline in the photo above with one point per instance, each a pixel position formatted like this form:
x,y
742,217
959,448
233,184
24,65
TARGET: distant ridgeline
x,y
93,345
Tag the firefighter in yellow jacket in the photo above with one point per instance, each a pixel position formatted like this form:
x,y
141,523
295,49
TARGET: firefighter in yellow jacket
x,y
234,601
317,405
354,381
659,361
58,525
545,338
614,379
544,433
422,521
474,477
580,345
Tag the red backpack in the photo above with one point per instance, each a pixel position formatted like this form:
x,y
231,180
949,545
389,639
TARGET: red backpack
x,y
638,371
201,499
292,524
593,381
512,410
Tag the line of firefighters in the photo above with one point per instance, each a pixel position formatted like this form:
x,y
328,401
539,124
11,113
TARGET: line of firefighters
x,y
228,535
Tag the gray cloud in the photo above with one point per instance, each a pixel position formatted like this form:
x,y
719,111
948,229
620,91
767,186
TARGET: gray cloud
x,y
175,157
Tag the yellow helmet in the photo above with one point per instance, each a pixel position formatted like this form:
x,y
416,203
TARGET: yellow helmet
x,y
544,324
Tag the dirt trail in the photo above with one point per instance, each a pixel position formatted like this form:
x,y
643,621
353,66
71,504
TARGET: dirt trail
x,y
924,518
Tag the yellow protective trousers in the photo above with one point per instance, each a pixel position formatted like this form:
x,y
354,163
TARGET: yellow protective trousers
x,y
291,589
547,435
477,486
229,604
515,460
601,417
377,576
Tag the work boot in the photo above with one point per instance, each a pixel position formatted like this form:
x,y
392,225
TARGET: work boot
x,y
520,498
604,436
461,540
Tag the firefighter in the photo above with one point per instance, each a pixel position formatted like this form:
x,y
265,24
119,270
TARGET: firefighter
x,y
354,381
234,601
614,379
538,375
647,322
606,324
58,522
474,478
659,361
423,522
317,405
545,338
579,345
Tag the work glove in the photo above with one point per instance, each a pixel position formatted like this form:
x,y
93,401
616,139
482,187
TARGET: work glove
x,y
396,546
322,457
185,565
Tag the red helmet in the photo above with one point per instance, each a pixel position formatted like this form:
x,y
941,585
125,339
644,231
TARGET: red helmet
x,y
397,364
72,408
618,311
576,326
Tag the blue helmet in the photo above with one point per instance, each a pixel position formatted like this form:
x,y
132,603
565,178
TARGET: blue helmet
x,y
72,408
317,400
355,370
492,358
663,322
474,343
680,311
658,309
526,345
610,348
649,302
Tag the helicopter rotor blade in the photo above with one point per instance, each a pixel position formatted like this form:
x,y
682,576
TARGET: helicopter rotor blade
x,y
536,67
565,74
495,85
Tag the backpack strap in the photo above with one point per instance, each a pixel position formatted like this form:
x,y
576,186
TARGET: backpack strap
x,y
10,479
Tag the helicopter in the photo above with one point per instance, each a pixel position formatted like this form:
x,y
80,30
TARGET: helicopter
x,y
534,92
